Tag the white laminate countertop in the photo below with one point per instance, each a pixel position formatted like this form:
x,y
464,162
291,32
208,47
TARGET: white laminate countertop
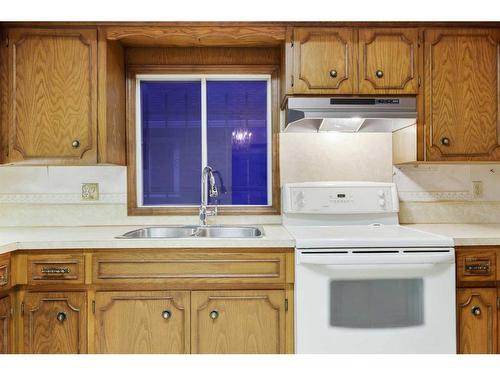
x,y
465,234
102,237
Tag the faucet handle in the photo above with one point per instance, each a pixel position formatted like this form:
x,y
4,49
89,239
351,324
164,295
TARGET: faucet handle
x,y
212,211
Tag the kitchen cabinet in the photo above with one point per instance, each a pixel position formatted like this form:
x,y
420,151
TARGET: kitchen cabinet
x,y
478,299
388,61
477,319
324,61
117,301
52,110
462,94
5,325
142,322
54,322
238,322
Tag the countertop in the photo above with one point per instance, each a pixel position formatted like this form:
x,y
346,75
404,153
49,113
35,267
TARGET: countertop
x,y
103,237
465,234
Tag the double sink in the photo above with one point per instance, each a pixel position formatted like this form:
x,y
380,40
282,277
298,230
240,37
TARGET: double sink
x,y
194,231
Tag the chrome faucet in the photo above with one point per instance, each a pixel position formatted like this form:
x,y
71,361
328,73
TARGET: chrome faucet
x,y
207,178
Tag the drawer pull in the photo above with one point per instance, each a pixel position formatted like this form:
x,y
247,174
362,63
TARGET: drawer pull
x,y
476,311
214,314
166,314
55,271
61,316
3,279
477,267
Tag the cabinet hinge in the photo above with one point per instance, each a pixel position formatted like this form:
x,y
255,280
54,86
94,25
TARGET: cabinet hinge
x,y
292,80
291,43
22,308
11,312
419,81
93,307
498,302
286,304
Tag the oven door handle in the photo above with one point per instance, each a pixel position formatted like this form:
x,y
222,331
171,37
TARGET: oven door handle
x,y
375,259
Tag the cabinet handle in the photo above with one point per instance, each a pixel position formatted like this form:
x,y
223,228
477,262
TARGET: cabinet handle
x,y
333,73
445,141
166,314
55,271
476,310
214,314
75,143
3,280
379,73
61,316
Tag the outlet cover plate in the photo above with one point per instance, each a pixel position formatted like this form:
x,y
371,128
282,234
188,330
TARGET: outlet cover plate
x,y
90,191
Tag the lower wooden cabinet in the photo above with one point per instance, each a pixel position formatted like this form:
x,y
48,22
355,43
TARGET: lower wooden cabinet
x,y
142,322
477,313
55,323
5,326
238,322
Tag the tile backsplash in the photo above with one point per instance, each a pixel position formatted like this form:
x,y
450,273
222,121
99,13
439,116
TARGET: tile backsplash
x,y
40,195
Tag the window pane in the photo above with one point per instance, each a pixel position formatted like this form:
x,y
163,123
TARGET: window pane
x,y
376,303
237,140
171,142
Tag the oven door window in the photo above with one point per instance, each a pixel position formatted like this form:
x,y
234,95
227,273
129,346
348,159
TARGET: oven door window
x,y
384,303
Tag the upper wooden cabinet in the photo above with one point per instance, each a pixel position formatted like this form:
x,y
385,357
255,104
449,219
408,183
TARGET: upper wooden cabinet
x,y
388,61
142,322
462,94
52,110
324,61
55,323
238,322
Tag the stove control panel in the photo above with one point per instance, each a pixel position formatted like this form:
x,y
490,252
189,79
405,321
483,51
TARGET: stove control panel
x,y
340,198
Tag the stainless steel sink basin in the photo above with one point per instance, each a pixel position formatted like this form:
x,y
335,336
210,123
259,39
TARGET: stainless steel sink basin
x,y
193,231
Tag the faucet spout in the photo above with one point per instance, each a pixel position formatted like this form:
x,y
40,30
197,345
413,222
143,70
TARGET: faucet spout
x,y
208,188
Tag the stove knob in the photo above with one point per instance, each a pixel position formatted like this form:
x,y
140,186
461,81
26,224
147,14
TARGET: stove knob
x,y
381,202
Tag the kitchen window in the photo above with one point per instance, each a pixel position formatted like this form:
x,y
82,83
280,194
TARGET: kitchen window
x,y
184,122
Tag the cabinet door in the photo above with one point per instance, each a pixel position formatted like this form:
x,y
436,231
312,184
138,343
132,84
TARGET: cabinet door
x,y
5,326
55,323
462,94
53,109
142,322
324,61
477,320
388,61
238,322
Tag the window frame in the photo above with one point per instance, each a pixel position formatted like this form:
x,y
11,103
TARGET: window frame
x,y
135,74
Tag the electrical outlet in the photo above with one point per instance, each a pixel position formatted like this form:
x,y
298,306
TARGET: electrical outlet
x,y
90,191
477,189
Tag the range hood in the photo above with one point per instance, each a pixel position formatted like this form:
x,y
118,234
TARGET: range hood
x,y
350,114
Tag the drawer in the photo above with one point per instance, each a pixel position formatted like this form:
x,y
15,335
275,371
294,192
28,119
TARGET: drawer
x,y
50,269
185,266
476,265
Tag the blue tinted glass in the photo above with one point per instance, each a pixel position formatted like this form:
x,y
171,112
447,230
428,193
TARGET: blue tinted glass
x,y
237,140
171,142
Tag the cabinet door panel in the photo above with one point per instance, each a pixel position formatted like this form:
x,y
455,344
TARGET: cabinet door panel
x,y
462,94
325,61
238,322
55,323
477,320
388,61
142,322
53,110
5,326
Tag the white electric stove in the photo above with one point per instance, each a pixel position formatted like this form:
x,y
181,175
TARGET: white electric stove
x,y
363,283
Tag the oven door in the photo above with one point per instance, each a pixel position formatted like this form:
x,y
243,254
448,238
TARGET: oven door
x,y
377,302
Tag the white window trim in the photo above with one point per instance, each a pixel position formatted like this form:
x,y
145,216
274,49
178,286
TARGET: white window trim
x,y
204,152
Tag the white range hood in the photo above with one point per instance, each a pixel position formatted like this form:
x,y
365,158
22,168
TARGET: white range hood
x,y
350,114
